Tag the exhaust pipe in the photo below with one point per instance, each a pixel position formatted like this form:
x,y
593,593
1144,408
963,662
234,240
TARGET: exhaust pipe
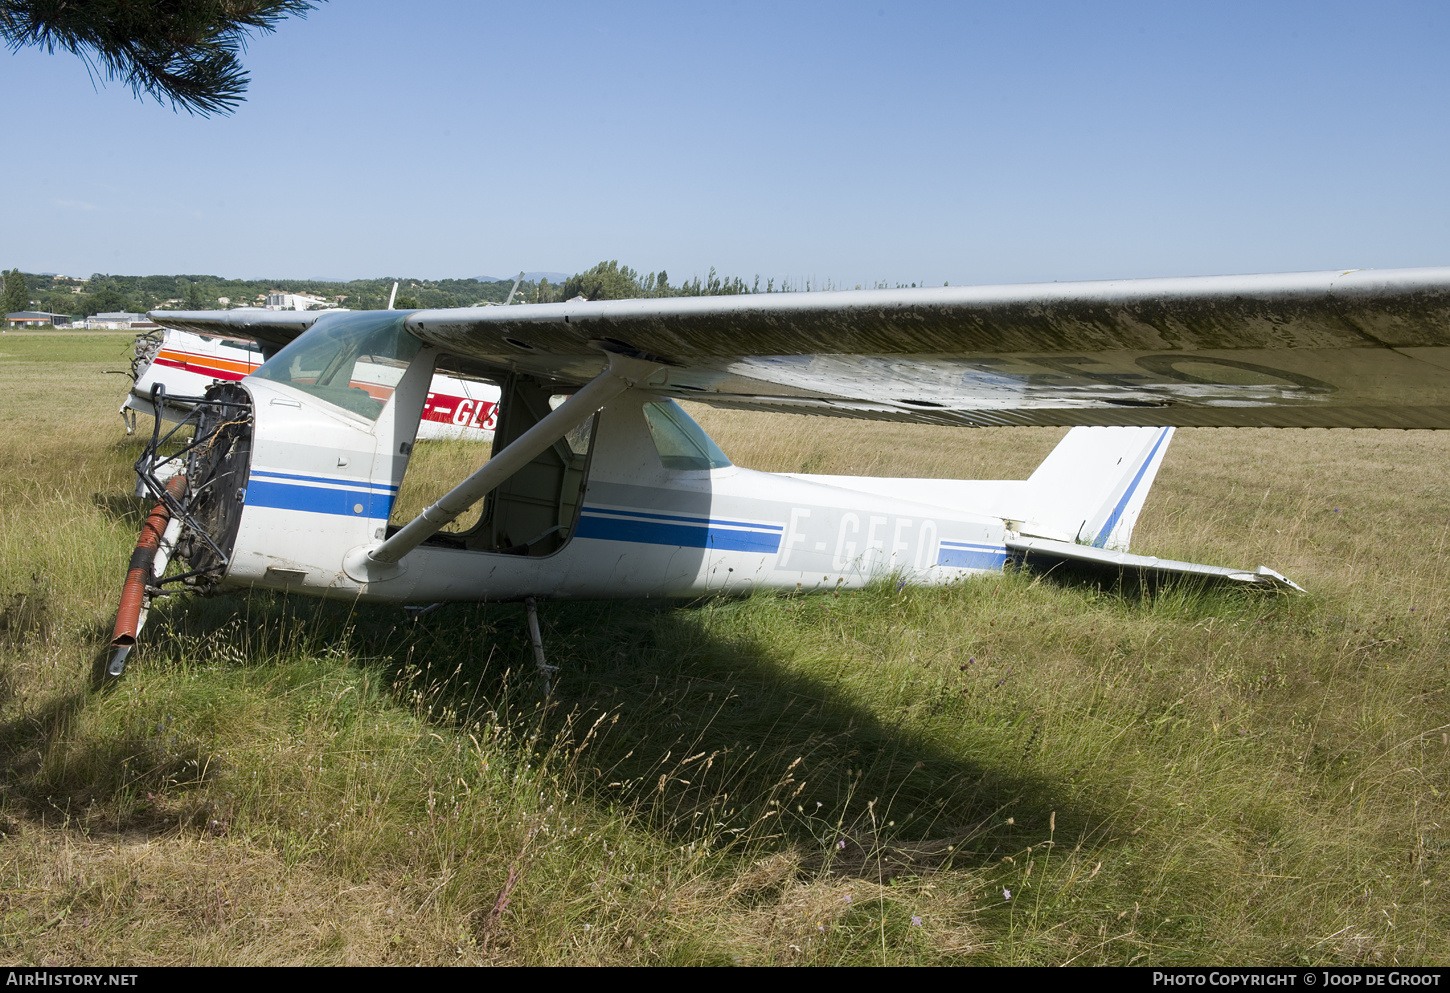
x,y
131,614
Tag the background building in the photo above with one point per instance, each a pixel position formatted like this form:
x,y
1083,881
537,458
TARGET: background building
x,y
295,301
120,319
34,318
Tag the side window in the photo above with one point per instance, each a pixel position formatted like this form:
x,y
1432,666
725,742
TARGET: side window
x,y
681,443
579,438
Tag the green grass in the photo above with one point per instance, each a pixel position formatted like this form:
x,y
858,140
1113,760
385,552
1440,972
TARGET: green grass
x,y
1186,777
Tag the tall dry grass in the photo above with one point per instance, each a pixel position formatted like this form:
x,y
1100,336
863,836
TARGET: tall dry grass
x,y
1008,771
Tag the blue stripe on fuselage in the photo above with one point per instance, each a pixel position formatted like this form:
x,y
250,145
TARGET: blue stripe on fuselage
x,y
318,499
683,519
684,532
969,555
295,477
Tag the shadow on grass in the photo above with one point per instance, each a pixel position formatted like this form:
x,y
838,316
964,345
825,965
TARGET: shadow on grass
x,y
695,734
49,774
25,617
125,508
693,727
836,773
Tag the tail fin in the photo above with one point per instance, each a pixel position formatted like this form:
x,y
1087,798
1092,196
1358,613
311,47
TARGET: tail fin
x,y
1093,485
1088,491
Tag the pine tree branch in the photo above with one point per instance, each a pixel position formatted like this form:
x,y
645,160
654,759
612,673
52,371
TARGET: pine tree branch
x,y
182,51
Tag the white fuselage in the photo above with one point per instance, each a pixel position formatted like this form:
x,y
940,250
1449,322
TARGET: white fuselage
x,y
640,530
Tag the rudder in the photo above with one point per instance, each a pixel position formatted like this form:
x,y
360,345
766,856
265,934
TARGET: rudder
x,y
1094,483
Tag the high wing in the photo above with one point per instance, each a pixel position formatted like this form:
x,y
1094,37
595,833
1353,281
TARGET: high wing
x,y
1357,348
272,329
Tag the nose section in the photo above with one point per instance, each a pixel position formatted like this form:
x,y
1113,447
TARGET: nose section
x,y
217,473
296,466
201,482
314,489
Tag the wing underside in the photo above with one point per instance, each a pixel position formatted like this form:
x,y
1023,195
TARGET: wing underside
x,y
271,328
1363,348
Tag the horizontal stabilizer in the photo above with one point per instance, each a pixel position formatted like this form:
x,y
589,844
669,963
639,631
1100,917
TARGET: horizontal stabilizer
x,y
1044,552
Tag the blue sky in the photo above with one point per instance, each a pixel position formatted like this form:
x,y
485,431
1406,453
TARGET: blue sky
x,y
907,142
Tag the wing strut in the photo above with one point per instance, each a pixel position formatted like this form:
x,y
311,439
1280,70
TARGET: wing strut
x,y
623,373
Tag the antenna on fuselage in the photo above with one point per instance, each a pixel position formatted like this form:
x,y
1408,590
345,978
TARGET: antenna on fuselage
x,y
515,289
393,295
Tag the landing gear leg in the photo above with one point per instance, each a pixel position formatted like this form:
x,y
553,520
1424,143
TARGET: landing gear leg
x,y
545,669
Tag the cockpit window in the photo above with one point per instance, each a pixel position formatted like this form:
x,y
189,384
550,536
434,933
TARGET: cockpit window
x,y
352,362
681,442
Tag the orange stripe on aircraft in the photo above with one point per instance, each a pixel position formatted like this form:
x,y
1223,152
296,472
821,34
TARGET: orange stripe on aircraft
x,y
205,365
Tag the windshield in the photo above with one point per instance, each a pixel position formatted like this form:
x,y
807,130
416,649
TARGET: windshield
x,y
352,362
681,443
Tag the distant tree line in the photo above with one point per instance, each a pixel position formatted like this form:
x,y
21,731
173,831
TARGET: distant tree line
x,y
612,281
104,293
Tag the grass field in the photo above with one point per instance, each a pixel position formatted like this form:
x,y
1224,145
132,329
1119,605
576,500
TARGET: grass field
x,y
1008,771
